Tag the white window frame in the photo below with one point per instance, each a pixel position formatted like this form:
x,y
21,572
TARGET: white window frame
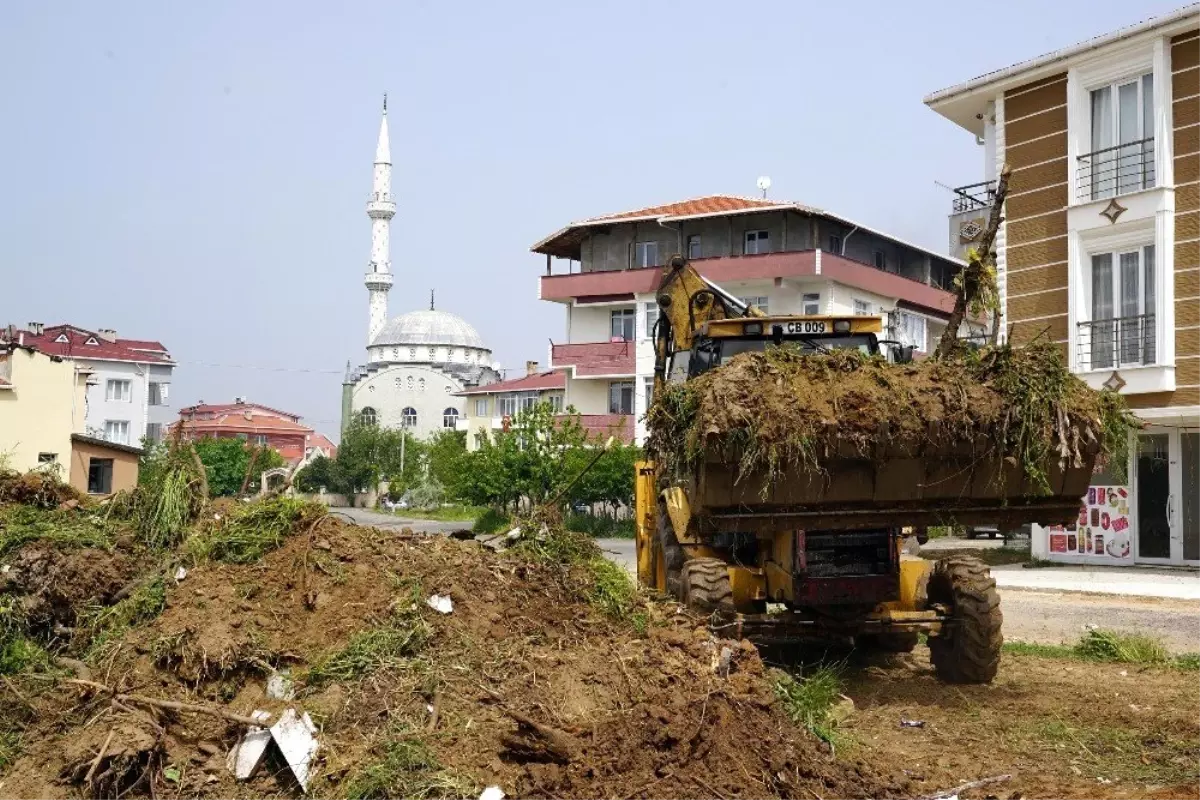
x,y
628,317
756,242
649,317
162,390
116,431
835,243
862,308
409,417
481,406
118,390
810,303
694,239
879,259
645,254
648,390
761,302
620,386
260,439
527,401
450,420
556,403
506,405
912,333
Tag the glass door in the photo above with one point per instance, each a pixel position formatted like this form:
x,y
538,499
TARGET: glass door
x,y
1153,497
1189,505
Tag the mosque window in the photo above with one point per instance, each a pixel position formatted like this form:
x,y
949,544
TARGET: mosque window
x,y
421,385
449,417
411,382
395,352
446,388
432,353
412,352
399,383
368,416
408,417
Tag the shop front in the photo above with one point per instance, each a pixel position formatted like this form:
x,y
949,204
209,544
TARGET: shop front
x,y
1149,516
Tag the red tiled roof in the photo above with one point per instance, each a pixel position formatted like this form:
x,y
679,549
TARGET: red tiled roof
x,y
712,204
77,346
321,441
225,408
258,423
528,383
591,359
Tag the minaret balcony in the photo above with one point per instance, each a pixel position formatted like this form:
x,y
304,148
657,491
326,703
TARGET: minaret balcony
x,y
381,207
378,280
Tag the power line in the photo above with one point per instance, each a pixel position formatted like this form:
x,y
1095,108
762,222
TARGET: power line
x,y
260,368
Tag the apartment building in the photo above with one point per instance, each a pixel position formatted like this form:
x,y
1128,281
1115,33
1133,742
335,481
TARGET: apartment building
x,y
1098,254
257,424
492,407
129,395
786,258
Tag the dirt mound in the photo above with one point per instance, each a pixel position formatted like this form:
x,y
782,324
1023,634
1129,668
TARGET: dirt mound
x,y
55,582
782,408
526,685
38,489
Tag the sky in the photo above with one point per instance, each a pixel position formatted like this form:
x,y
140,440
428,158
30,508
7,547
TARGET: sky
x,y
197,173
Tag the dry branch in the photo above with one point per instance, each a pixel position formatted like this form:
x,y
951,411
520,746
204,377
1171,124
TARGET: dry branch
x,y
169,705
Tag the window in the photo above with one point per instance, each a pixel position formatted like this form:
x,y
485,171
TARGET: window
x,y
650,312
556,403
408,417
411,382
158,393
810,303
910,329
527,401
693,246
880,261
420,384
412,352
154,432
395,352
260,439
620,397
1122,143
645,254
648,390
47,458
756,242
481,404
862,308
450,418
835,244
623,321
368,416
760,302
432,353
1121,330
507,405
117,430
100,472
119,391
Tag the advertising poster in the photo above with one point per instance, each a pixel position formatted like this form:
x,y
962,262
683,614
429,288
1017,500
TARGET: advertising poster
x,y
1102,531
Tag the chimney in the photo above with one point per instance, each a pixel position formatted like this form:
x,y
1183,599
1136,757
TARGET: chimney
x,y
107,334
36,328
531,368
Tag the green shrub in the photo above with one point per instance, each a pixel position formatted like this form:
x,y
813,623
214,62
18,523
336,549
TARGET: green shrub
x,y
253,530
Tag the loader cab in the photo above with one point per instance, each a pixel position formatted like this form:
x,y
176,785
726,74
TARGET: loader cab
x,y
720,340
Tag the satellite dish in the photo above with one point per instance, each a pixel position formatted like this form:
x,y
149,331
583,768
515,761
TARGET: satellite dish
x,y
764,183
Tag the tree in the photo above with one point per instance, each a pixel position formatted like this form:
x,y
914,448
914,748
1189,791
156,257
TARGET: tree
x,y
229,462
611,478
368,453
320,473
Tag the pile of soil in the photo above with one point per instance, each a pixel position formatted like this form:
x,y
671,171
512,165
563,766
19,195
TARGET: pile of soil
x,y
37,489
787,408
55,582
525,685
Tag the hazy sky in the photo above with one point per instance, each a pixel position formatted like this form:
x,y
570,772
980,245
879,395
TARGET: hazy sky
x,y
197,172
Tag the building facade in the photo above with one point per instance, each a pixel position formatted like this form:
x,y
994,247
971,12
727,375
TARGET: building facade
x,y
1098,254
418,362
492,407
129,395
256,424
785,258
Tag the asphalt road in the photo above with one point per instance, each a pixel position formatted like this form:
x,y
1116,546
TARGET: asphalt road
x,y
1030,616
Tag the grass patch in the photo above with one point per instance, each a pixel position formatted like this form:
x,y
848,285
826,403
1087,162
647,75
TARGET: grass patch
x,y
20,654
70,527
492,521
253,530
600,527
454,512
104,625
612,591
402,636
810,699
1110,647
407,768
10,748
1111,751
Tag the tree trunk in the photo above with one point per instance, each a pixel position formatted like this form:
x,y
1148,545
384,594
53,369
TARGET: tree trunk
x,y
974,272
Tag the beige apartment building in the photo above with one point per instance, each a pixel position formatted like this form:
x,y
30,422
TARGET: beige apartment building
x,y
1099,254
492,407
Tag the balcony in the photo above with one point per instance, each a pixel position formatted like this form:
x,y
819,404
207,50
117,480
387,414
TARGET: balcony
x,y
1112,343
1114,171
975,197
595,359
604,425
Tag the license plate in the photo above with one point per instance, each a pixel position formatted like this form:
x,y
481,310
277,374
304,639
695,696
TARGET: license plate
x,y
807,326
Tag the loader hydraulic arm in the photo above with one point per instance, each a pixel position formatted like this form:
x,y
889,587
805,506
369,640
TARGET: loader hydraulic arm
x,y
686,301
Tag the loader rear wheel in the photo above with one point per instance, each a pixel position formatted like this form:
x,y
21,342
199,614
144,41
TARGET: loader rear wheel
x,y
671,553
706,586
968,648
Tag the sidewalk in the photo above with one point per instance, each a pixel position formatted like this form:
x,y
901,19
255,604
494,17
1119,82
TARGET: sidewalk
x,y
1179,584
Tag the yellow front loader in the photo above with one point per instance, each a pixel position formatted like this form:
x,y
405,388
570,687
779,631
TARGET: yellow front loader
x,y
822,555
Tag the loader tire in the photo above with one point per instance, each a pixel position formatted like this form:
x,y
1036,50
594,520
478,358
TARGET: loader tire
x,y
672,553
706,586
968,648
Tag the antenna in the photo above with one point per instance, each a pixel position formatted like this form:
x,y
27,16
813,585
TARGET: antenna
x,y
431,299
764,183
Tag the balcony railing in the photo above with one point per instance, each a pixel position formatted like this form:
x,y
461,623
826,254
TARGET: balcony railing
x,y
1111,343
974,197
1116,170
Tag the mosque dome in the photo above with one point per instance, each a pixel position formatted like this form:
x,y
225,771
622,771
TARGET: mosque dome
x,y
429,328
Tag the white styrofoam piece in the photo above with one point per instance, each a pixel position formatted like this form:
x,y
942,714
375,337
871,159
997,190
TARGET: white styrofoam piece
x,y
180,574
295,735
492,793
280,686
248,753
440,603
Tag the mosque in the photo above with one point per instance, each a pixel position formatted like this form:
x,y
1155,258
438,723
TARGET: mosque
x,y
416,362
